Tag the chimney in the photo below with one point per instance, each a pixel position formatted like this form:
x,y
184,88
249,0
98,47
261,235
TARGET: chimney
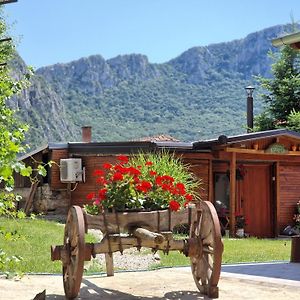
x,y
86,134
249,89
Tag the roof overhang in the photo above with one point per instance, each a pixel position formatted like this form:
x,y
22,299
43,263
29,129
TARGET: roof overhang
x,y
224,140
292,40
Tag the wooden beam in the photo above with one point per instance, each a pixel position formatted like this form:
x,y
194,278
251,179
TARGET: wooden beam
x,y
277,197
29,201
109,262
210,182
232,193
243,150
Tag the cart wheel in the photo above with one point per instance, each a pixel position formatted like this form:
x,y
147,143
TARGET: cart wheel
x,y
206,262
75,245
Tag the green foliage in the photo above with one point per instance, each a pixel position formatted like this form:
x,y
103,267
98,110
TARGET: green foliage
x,y
282,99
12,135
293,120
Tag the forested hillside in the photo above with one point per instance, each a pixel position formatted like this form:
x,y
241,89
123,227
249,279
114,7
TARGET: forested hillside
x,y
197,95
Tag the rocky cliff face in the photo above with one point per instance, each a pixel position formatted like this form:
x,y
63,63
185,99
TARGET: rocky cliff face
x,y
244,58
42,108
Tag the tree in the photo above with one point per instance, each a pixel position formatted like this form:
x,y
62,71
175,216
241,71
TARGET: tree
x,y
12,131
282,101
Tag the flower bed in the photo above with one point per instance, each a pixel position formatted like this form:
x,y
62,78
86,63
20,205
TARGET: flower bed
x,y
143,182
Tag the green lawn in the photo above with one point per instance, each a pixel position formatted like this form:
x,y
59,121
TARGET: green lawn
x,y
32,240
240,250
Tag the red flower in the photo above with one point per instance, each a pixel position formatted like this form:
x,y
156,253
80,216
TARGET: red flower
x,y
148,163
90,196
136,179
101,180
134,171
120,169
174,205
144,186
152,173
102,193
98,173
180,188
188,197
166,179
117,176
166,187
107,166
123,159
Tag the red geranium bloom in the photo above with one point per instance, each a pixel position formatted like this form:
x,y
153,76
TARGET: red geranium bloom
x,y
101,180
98,173
152,173
107,166
144,186
174,205
148,163
180,186
136,179
102,193
117,176
166,187
90,196
134,171
123,159
120,169
188,197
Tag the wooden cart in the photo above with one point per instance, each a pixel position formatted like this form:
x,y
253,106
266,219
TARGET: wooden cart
x,y
151,229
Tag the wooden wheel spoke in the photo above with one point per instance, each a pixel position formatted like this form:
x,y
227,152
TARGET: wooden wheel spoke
x,y
74,243
206,266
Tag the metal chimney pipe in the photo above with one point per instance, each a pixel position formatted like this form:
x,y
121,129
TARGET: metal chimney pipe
x,y
86,134
249,89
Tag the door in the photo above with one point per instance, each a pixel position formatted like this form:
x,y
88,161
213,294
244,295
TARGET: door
x,y
255,200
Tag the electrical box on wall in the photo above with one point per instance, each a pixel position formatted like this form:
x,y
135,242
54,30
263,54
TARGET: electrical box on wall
x,y
71,170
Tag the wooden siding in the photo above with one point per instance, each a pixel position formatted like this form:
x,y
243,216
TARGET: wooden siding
x,y
91,163
289,190
55,183
201,169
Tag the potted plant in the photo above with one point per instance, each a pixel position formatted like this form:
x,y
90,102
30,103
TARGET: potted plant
x,y
296,218
240,224
143,182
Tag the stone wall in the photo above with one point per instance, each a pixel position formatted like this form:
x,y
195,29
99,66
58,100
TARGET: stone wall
x,y
46,200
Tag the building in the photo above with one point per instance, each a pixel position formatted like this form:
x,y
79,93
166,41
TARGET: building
x,y
255,175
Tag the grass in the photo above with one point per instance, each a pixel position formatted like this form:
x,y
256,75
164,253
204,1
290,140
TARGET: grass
x,y
32,240
238,251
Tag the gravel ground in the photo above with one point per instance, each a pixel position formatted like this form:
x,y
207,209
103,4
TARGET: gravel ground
x,y
131,259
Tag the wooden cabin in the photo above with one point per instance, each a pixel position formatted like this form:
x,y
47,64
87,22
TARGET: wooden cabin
x,y
255,175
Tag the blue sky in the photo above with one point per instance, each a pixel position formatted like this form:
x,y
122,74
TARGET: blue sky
x,y
53,31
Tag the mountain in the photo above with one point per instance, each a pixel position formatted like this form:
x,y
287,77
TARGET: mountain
x,y
196,95
41,108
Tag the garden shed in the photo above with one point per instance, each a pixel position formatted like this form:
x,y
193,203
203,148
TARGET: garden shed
x,y
255,175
